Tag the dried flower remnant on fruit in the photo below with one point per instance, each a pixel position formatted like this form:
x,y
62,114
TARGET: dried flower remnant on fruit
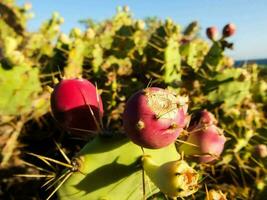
x,y
163,104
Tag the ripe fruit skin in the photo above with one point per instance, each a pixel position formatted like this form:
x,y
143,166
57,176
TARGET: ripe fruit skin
x,y
212,32
209,141
71,101
202,118
229,30
206,136
154,117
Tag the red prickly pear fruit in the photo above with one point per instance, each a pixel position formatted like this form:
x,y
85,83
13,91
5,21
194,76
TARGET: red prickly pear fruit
x,y
77,106
229,30
212,32
204,144
154,117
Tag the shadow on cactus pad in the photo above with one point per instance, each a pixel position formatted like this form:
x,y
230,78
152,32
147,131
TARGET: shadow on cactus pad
x,y
110,168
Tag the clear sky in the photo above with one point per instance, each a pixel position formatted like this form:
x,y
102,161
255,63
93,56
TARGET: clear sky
x,y
250,17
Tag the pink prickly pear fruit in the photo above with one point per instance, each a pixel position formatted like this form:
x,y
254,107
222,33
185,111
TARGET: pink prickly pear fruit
x,y
202,118
154,117
212,32
205,142
229,30
204,145
77,106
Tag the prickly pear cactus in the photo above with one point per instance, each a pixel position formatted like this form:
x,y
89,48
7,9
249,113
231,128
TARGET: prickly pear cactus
x,y
19,86
162,53
122,55
229,87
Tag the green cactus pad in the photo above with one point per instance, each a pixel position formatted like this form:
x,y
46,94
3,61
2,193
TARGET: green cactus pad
x,y
228,87
18,87
112,169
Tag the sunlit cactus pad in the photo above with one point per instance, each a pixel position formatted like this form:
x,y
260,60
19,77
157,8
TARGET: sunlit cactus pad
x,y
110,168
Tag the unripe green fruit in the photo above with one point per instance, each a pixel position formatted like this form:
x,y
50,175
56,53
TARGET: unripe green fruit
x,y
174,178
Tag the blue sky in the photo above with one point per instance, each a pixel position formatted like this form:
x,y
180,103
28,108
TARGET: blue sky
x,y
250,17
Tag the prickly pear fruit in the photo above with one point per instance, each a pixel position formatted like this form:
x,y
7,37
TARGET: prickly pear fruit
x,y
229,30
212,32
77,106
174,178
154,117
202,118
206,141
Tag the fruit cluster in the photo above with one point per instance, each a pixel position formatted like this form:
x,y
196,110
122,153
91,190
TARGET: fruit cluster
x,y
153,118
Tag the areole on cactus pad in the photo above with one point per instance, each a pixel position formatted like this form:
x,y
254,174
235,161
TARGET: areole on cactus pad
x,y
154,117
77,106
